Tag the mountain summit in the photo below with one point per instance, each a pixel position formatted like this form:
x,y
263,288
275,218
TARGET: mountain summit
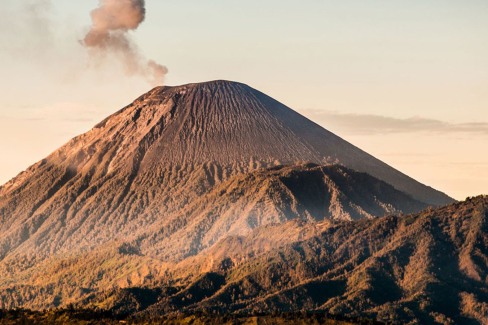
x,y
232,123
227,123
177,171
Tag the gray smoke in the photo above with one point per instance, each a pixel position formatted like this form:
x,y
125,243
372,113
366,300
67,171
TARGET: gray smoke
x,y
111,22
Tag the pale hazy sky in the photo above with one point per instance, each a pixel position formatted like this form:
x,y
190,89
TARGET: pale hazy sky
x,y
406,81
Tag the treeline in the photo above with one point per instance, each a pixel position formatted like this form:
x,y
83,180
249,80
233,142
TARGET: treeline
x,y
88,316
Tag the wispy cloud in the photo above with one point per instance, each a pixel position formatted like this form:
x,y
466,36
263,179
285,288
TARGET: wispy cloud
x,y
377,124
57,113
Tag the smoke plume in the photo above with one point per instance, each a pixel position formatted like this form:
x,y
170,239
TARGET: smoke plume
x,y
111,22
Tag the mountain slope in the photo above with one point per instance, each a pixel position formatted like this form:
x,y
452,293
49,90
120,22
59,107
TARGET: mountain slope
x,y
304,193
272,196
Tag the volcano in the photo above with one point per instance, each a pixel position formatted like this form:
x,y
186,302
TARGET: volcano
x,y
174,173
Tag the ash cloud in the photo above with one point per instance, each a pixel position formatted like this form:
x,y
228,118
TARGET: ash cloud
x,y
109,34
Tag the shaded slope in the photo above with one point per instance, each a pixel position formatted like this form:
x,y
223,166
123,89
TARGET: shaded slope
x,y
272,196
